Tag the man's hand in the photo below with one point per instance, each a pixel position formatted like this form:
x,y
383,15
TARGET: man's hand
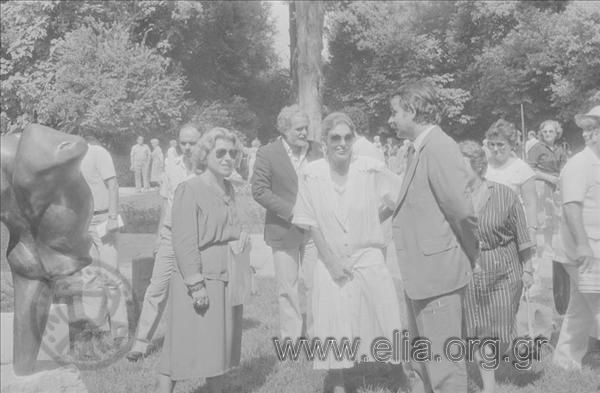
x,y
585,257
112,224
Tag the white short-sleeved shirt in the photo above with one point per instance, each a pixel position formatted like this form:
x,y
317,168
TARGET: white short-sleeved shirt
x,y
348,217
513,173
96,167
580,182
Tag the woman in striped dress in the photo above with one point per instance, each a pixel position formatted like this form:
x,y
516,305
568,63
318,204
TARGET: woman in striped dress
x,y
504,266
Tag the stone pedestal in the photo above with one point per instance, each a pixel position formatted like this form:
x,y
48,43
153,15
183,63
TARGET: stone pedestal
x,y
56,380
55,341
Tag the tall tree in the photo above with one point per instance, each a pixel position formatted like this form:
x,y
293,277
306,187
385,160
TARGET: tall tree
x,y
308,19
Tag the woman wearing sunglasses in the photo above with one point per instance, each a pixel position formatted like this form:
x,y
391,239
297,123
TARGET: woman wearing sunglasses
x,y
340,199
203,337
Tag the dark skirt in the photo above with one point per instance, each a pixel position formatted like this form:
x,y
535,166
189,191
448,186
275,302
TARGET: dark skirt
x,y
493,296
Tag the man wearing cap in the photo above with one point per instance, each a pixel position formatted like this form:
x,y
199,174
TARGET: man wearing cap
x,y
580,232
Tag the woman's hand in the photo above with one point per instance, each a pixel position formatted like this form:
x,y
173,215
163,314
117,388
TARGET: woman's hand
x,y
339,273
527,279
200,299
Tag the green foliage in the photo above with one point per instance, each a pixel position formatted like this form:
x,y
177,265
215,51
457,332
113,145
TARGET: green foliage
x,y
486,57
121,68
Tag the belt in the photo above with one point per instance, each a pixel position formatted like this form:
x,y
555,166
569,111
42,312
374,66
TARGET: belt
x,y
97,212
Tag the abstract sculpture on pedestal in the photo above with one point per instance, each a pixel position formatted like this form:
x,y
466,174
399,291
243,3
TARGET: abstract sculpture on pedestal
x,y
47,207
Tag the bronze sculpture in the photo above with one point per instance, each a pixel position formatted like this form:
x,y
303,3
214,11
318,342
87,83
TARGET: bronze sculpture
x,y
47,207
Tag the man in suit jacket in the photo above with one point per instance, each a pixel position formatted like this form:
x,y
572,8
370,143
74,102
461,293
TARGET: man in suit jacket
x,y
274,186
434,230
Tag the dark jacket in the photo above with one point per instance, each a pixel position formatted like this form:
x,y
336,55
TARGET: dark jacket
x,y
275,186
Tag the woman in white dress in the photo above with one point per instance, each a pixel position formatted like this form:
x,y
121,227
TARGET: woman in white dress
x,y
341,199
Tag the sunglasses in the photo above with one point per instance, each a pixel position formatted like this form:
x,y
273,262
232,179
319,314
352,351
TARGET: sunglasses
x,y
220,153
338,138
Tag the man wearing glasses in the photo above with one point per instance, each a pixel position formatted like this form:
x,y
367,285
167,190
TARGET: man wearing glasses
x,y
155,299
580,232
275,186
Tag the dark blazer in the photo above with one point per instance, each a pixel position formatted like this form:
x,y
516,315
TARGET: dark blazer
x,y
434,225
274,187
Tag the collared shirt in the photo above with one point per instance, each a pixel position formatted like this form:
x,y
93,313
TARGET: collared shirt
x,y
419,139
175,173
96,167
299,161
546,158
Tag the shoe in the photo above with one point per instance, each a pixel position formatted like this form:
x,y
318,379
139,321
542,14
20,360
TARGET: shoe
x,y
134,356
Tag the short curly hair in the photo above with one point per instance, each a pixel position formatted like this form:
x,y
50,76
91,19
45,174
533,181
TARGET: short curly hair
x,y
502,129
334,119
476,155
284,119
423,99
207,143
551,123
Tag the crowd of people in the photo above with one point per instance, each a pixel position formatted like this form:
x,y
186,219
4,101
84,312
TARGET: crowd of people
x,y
458,223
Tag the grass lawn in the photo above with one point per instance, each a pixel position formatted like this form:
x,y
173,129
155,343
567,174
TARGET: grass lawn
x,y
261,372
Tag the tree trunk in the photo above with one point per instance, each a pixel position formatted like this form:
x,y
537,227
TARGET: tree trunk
x,y
293,52
309,44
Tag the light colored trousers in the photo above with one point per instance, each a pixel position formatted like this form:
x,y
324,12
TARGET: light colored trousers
x,y
141,173
291,267
104,299
581,321
157,293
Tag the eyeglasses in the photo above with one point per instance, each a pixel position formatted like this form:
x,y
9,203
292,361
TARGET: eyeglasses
x,y
220,153
336,138
497,145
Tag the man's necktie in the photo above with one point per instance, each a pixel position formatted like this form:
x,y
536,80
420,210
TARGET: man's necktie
x,y
410,154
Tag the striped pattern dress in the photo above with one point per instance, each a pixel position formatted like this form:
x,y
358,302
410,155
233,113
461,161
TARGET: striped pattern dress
x,y
492,297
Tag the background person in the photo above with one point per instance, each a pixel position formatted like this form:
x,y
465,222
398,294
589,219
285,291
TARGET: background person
x,y
434,228
339,200
155,297
204,328
98,170
140,161
275,187
547,158
158,162
580,233
504,265
531,141
506,168
172,152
